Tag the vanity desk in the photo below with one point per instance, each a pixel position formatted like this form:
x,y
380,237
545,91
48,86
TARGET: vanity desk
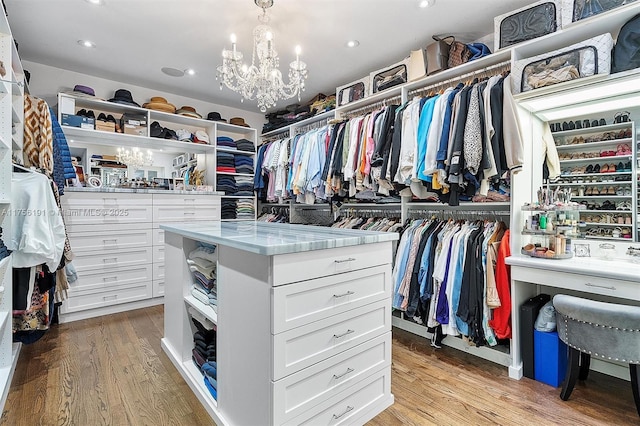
x,y
616,281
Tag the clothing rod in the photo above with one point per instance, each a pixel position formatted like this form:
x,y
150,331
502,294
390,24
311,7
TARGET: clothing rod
x,y
373,106
18,166
448,82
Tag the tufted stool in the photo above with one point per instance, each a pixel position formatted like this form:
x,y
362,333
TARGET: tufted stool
x,y
603,330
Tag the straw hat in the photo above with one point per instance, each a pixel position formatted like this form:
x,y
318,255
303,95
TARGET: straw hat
x,y
158,103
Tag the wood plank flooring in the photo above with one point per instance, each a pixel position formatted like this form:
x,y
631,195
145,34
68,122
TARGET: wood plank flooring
x,y
112,371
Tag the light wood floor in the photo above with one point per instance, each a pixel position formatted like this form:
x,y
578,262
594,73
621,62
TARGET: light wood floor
x,y
112,371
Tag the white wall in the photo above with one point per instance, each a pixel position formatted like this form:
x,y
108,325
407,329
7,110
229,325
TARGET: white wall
x,y
47,81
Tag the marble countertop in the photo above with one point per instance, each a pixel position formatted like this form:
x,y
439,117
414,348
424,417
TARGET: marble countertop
x,y
140,191
276,238
619,268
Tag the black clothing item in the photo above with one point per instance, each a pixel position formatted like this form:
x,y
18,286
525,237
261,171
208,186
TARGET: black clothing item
x,y
497,141
456,165
395,145
332,143
386,134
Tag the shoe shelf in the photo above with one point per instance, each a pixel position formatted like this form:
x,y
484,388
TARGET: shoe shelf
x,y
605,211
602,183
591,175
590,145
606,237
601,197
593,130
598,159
613,225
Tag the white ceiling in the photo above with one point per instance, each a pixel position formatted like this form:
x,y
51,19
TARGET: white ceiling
x,y
136,38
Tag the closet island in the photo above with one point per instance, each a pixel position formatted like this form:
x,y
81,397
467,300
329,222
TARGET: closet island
x,y
301,319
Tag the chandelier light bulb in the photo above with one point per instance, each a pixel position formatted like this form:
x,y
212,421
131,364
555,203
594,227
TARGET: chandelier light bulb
x,y
269,35
298,50
234,39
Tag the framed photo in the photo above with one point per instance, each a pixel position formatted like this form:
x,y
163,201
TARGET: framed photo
x,y
80,175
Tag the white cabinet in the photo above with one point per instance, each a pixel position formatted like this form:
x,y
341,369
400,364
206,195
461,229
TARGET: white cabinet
x,y
303,341
119,247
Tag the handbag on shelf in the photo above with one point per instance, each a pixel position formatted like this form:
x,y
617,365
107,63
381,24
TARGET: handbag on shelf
x,y
459,53
528,24
438,55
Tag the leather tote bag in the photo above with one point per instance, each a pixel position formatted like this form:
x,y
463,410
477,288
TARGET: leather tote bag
x,y
438,55
583,9
528,24
459,53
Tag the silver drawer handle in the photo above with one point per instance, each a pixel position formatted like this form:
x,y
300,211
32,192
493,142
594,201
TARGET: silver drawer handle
x,y
110,239
189,213
351,259
113,297
348,293
337,336
608,287
112,259
337,416
110,278
349,370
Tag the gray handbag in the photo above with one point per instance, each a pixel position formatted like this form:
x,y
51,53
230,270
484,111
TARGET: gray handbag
x,y
438,55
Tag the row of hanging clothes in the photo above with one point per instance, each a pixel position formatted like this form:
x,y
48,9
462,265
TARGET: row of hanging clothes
x,y
451,276
274,215
41,253
369,220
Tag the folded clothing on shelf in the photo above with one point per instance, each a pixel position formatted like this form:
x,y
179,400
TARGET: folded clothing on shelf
x,y
245,145
225,141
243,164
245,208
227,184
228,209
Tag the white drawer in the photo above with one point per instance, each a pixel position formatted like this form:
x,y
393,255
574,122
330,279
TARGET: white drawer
x,y
109,260
289,268
579,282
300,391
115,239
97,280
345,407
110,209
304,346
158,288
158,254
79,199
307,301
158,270
163,213
185,200
78,301
158,236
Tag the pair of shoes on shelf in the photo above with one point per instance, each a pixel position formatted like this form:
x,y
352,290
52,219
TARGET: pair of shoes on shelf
x,y
86,113
623,149
108,118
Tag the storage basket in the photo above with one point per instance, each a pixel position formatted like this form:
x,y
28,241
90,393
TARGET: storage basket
x,y
389,77
576,10
526,23
584,59
354,91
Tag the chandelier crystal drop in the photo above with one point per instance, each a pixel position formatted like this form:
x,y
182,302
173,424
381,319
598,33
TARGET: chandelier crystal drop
x,y
262,80
134,158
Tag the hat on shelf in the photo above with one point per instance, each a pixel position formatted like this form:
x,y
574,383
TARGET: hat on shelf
x,y
215,116
78,88
123,96
238,121
183,135
159,103
201,137
81,91
188,111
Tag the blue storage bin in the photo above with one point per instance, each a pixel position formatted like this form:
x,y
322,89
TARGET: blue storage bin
x,y
550,355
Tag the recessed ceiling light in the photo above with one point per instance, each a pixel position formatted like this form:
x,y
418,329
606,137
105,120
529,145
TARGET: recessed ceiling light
x,y
173,72
96,2
353,43
426,3
190,71
86,43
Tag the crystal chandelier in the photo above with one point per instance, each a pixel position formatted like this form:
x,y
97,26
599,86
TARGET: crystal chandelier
x,y
262,80
134,158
